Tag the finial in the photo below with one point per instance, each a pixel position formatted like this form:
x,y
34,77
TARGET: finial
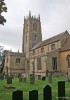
x,y
39,16
29,13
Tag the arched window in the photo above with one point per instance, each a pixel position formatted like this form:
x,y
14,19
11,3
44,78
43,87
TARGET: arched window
x,y
53,47
68,60
17,60
35,27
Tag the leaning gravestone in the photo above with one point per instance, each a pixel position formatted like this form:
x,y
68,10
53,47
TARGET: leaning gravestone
x,y
32,79
50,77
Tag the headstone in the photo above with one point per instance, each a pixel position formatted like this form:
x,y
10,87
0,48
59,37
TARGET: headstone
x,y
9,80
20,79
24,79
61,90
43,78
47,71
2,76
32,79
17,95
39,77
50,77
9,83
6,76
12,76
47,93
33,95
19,75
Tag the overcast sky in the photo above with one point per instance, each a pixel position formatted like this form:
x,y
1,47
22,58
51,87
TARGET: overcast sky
x,y
55,18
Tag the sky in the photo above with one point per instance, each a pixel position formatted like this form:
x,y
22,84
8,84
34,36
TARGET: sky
x,y
54,15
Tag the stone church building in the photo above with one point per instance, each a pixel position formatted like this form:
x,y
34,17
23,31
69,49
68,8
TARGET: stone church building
x,y
39,56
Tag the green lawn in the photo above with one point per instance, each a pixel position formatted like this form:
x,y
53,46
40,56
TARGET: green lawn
x,y
6,94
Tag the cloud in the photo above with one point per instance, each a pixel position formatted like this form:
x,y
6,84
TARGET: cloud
x,y
55,18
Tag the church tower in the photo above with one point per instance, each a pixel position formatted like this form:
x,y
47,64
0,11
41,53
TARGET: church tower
x,y
31,33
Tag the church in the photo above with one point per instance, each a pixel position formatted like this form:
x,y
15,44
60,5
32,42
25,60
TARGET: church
x,y
39,56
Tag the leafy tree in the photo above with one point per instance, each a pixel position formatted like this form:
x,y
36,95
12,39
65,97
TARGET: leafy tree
x,y
3,61
3,8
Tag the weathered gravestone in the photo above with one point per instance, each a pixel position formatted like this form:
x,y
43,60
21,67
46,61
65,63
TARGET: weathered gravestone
x,y
32,79
47,93
19,75
39,77
6,76
17,95
50,77
9,83
24,79
2,76
33,95
61,90
9,80
20,79
43,78
47,71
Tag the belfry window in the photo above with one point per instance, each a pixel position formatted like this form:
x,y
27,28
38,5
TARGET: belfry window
x,y
35,27
7,60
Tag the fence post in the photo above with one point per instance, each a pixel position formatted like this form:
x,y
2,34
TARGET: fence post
x,y
33,95
47,93
17,95
61,90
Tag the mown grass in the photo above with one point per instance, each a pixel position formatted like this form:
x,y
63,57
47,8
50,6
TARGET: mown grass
x,y
6,94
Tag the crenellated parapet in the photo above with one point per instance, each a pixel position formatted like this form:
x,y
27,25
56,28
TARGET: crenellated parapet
x,y
10,53
32,17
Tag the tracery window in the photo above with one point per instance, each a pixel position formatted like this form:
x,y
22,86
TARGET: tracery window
x,y
17,60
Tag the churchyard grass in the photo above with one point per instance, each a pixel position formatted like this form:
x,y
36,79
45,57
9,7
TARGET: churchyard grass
x,y
6,94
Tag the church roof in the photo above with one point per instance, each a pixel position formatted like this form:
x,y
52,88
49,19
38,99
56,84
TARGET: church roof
x,y
50,40
66,45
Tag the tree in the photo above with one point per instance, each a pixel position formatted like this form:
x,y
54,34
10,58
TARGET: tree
x,y
2,59
3,8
